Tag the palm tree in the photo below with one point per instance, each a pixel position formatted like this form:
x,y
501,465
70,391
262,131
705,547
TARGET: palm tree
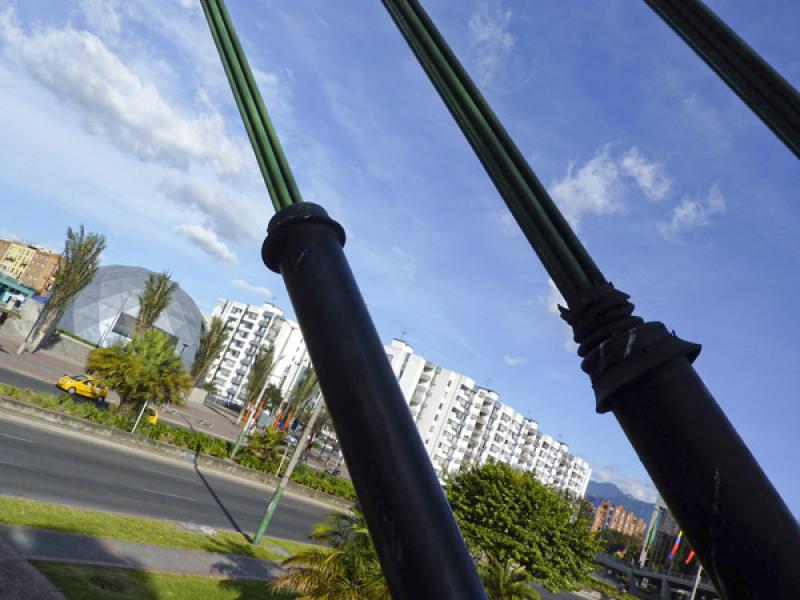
x,y
212,338
346,568
267,446
146,369
303,391
78,265
256,378
154,299
506,581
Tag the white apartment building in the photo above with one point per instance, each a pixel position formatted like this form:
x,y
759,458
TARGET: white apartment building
x,y
250,327
462,424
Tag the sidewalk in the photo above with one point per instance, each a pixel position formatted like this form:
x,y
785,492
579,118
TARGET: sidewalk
x,y
20,581
41,544
42,365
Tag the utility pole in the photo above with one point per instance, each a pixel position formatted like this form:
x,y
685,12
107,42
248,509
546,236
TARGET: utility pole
x,y
287,475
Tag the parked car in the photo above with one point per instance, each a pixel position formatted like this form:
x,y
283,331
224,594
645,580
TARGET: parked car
x,y
83,385
151,415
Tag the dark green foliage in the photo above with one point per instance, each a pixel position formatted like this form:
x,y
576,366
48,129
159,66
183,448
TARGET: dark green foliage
x,y
510,517
345,567
146,369
616,542
506,581
325,482
268,445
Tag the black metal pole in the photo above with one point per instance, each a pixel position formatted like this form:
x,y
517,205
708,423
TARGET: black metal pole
x,y
762,88
744,535
421,549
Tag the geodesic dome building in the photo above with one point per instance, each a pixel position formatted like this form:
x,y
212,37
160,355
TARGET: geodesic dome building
x,y
106,310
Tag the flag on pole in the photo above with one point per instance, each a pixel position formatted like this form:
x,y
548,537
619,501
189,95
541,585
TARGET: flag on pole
x,y
675,545
689,558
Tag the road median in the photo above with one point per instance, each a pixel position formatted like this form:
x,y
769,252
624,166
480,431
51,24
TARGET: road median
x,y
123,438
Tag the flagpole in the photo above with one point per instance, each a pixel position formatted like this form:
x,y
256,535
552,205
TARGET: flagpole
x,y
696,580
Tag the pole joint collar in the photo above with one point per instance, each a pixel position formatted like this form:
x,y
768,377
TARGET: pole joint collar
x,y
616,346
286,222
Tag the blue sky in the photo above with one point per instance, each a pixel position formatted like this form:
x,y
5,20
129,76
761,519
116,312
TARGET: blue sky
x,y
117,115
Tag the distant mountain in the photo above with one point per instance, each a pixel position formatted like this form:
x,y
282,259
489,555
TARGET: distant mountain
x,y
598,491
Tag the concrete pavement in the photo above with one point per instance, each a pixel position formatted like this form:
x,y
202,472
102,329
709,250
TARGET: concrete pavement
x,y
20,581
42,544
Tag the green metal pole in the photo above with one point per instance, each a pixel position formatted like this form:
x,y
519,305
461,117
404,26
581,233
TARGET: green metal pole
x,y
298,451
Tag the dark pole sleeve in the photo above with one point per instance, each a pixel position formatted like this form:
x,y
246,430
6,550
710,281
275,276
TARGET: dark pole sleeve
x,y
744,534
420,546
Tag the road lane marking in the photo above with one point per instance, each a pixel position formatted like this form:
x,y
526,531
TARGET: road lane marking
x,y
14,437
9,463
192,479
170,495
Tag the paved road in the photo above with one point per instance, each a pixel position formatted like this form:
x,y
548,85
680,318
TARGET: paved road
x,y
43,463
24,381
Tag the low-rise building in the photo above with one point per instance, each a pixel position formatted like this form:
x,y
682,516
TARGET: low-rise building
x,y
30,264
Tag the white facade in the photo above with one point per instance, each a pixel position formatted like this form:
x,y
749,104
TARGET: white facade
x,y
462,424
250,327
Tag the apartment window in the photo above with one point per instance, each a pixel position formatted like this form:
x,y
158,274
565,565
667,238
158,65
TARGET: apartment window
x,y
441,404
431,429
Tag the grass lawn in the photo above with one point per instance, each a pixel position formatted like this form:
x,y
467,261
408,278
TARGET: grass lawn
x,y
29,513
86,582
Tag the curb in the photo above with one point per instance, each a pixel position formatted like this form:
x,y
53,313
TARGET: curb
x,y
131,440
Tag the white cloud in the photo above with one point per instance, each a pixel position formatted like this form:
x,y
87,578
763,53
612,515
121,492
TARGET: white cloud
x,y
641,489
250,288
5,234
649,176
228,216
207,241
114,102
600,186
489,35
514,361
694,213
102,14
593,188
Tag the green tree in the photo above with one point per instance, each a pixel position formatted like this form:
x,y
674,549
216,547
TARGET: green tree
x,y
154,299
145,369
510,516
212,338
77,268
345,568
267,446
506,581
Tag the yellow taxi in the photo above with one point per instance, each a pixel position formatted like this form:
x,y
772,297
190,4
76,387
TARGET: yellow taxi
x,y
83,385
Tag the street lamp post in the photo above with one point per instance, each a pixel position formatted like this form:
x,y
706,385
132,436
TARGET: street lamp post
x,y
418,542
640,372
